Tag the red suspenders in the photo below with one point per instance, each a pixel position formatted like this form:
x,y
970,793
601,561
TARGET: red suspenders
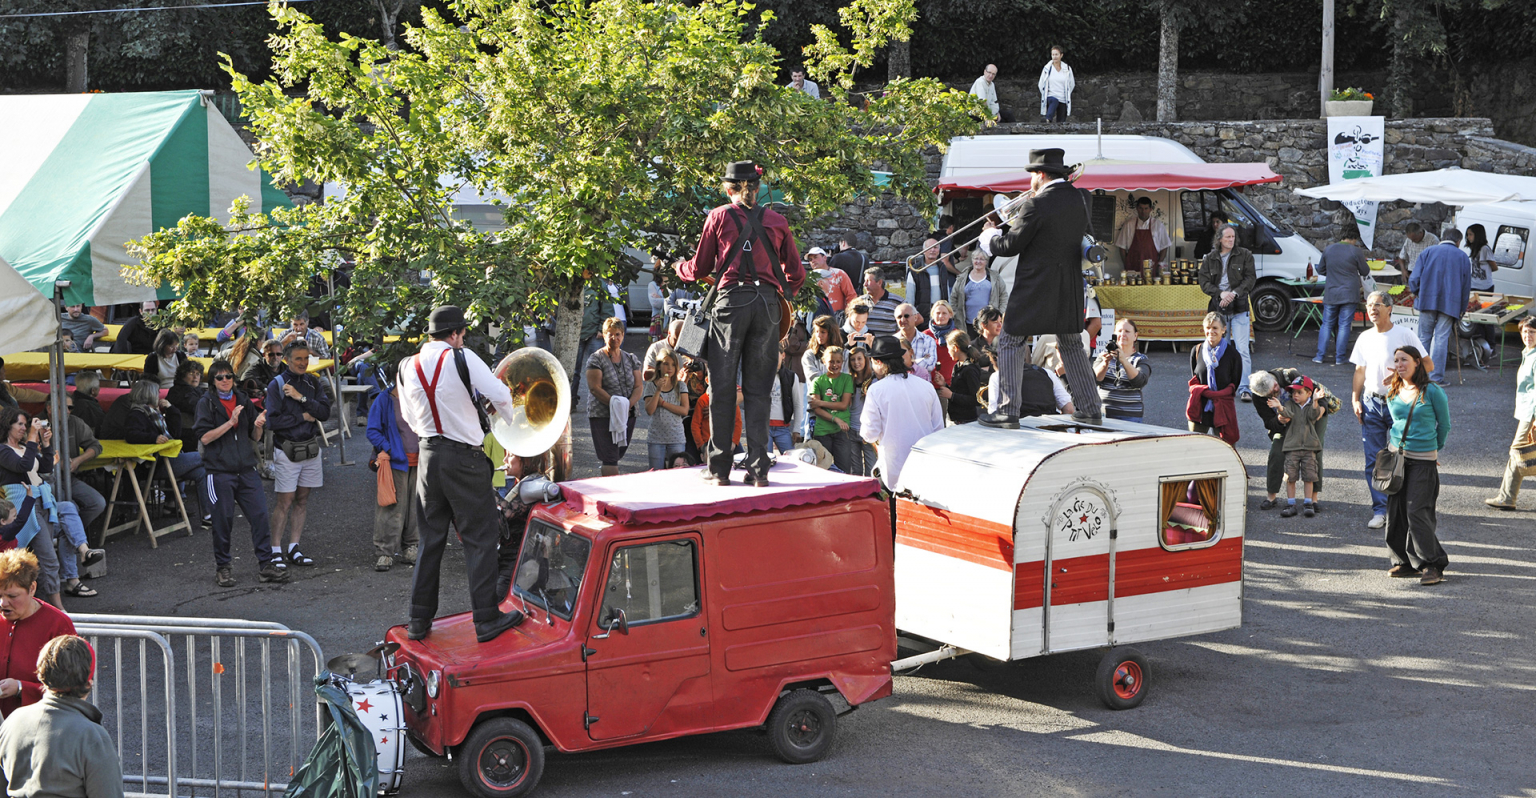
x,y
431,387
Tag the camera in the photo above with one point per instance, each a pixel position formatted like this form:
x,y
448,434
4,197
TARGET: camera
x,y
1111,346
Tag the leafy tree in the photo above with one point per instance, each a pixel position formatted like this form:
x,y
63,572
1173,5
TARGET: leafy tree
x,y
603,123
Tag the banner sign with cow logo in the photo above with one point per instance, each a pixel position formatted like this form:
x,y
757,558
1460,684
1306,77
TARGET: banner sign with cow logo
x,y
1356,149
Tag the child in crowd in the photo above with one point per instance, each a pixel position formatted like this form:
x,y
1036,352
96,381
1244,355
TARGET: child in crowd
x,y
786,404
969,377
69,341
831,397
190,343
11,521
1301,445
666,400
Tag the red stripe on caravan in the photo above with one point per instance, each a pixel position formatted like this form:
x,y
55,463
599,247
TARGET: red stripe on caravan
x,y
1028,585
1138,572
954,535
1078,580
1156,570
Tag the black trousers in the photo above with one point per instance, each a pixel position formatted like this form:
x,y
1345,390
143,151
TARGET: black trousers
x,y
226,490
453,484
744,337
1411,517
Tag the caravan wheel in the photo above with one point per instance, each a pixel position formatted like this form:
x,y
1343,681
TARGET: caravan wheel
x,y
1122,678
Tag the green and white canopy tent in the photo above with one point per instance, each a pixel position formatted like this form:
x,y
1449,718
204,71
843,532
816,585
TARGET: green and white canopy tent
x,y
86,173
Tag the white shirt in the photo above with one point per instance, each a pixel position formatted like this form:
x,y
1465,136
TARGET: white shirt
x,y
987,91
1056,82
620,308
454,409
810,88
1373,352
1160,237
898,412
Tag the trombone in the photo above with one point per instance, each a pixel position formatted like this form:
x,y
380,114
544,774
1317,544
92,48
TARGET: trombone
x,y
913,261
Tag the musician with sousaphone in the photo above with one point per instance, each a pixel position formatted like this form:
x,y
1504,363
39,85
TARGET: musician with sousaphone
x,y
751,252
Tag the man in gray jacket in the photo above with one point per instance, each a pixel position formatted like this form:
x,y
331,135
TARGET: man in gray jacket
x,y
1345,267
57,745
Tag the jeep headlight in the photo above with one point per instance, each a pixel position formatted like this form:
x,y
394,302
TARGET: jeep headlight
x,y
434,680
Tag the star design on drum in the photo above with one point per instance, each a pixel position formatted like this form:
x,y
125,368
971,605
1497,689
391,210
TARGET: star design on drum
x,y
364,706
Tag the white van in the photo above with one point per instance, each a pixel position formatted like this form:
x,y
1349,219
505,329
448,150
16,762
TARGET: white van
x,y
1509,226
1279,253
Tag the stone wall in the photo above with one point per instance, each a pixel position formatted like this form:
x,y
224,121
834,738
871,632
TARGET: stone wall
x,y
889,228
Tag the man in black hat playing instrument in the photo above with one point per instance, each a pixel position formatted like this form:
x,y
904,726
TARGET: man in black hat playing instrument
x,y
437,399
1047,295
753,253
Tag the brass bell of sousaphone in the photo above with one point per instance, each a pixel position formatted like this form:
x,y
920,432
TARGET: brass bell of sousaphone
x,y
541,400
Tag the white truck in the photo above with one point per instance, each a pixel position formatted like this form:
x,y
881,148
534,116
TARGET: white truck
x,y
1278,252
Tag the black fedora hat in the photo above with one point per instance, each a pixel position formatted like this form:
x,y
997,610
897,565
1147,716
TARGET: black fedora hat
x,y
887,348
446,319
1048,160
742,171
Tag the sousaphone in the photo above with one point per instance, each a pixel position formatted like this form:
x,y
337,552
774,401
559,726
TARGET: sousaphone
x,y
540,426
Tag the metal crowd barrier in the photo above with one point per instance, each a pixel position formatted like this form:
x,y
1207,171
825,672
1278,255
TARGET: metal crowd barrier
x,y
191,718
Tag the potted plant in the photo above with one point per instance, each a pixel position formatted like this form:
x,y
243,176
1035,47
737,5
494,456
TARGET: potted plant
x,y
1350,102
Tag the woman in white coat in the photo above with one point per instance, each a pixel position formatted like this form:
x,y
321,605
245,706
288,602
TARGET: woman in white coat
x,y
1056,84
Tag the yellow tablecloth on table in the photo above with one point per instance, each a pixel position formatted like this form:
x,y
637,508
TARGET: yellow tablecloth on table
x,y
122,450
110,335
33,366
315,366
1161,312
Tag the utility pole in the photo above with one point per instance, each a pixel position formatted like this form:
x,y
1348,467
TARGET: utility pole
x,y
1325,77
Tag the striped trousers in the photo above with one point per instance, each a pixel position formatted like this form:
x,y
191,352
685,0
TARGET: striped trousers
x,y
1013,355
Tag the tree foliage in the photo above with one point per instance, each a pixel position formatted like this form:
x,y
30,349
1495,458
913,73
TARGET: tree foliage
x,y
602,125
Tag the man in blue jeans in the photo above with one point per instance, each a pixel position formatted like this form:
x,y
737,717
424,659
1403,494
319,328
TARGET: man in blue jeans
x,y
1441,283
1372,357
1345,267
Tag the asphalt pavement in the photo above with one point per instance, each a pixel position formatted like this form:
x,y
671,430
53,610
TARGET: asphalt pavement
x,y
1341,681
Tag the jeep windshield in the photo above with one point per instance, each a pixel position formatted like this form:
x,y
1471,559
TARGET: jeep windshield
x,y
549,568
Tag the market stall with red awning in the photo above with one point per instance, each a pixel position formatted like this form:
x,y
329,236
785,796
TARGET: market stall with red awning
x,y
1170,309
1115,176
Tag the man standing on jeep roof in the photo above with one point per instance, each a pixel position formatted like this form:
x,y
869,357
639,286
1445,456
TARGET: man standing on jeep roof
x,y
752,252
453,481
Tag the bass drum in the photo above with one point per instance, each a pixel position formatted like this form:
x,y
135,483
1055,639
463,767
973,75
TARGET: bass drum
x,y
378,706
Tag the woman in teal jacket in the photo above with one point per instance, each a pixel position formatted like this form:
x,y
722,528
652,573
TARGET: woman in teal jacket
x,y
1525,413
1415,550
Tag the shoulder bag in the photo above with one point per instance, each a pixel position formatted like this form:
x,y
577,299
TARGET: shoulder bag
x,y
1524,455
298,451
1387,476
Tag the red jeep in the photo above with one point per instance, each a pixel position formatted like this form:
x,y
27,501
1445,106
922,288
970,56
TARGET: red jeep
x,y
659,607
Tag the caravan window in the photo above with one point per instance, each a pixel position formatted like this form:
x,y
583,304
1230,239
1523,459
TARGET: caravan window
x,y
1509,246
1189,511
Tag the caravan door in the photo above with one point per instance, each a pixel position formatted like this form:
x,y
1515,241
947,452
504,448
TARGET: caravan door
x,y
1080,570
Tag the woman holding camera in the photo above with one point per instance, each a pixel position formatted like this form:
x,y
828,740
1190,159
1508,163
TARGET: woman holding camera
x,y
1122,372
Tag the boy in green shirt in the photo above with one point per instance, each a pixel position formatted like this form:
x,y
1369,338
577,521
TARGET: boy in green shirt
x,y
831,396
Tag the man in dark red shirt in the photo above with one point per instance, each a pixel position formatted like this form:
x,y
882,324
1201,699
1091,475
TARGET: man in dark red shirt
x,y
754,255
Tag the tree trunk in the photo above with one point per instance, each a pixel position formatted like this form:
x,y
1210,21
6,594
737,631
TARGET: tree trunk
x,y
1325,76
389,18
568,330
1168,68
1400,72
77,47
899,60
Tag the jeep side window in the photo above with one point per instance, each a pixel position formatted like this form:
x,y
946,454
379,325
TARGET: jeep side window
x,y
652,582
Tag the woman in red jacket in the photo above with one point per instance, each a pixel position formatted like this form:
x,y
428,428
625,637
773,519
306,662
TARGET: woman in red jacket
x,y
26,624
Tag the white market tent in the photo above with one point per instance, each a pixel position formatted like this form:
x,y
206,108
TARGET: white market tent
x,y
27,318
86,173
1448,186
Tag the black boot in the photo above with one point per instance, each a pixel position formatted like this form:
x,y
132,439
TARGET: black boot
x,y
487,631
418,628
998,420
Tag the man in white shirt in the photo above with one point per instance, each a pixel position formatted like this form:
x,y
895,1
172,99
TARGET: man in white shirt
x,y
1417,241
985,88
1144,238
797,81
455,475
1372,357
925,350
899,410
